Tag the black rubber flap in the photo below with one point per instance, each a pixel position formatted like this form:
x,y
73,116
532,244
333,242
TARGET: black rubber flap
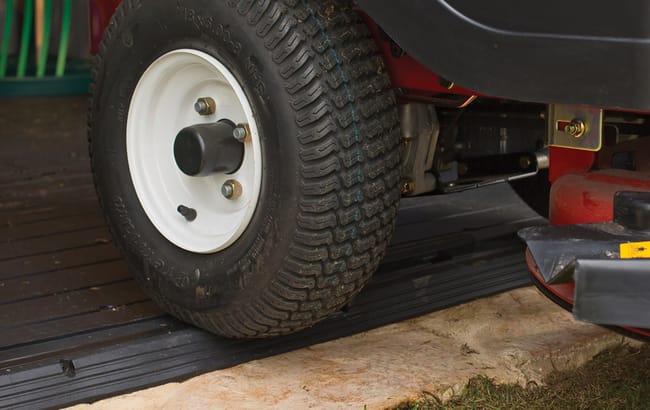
x,y
613,292
556,248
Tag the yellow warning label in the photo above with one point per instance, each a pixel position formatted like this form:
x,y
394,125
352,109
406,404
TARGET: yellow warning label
x,y
635,250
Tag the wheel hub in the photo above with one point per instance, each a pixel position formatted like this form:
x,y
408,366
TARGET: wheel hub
x,y
184,150
204,149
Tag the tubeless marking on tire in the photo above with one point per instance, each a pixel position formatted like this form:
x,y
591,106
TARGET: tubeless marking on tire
x,y
353,112
222,32
255,71
134,241
131,237
129,231
207,23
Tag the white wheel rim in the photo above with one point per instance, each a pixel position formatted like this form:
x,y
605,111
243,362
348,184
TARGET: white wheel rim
x,y
162,105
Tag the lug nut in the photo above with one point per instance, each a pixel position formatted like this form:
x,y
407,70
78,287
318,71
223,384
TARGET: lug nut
x,y
188,213
231,189
205,106
241,132
227,190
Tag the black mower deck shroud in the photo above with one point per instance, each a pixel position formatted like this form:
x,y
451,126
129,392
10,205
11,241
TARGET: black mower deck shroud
x,y
573,52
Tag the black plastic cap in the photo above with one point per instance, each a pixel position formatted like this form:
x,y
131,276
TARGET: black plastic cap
x,y
204,149
189,150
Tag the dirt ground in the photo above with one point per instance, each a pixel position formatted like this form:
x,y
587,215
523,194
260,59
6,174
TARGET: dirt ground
x,y
515,337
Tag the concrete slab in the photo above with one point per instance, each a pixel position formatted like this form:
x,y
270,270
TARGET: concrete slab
x,y
517,336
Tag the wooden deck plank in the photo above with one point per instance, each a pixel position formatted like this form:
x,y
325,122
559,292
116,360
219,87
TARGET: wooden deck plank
x,y
30,265
60,274
81,323
48,227
51,174
13,213
60,242
49,283
30,189
67,304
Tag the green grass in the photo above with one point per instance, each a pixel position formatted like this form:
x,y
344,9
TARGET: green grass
x,y
615,379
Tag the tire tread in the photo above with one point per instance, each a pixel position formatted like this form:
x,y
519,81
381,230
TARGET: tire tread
x,y
345,110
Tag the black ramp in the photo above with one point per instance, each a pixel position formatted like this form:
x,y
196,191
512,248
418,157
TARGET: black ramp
x,y
74,327
418,276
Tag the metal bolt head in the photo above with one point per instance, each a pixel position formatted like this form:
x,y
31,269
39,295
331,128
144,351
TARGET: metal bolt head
x,y
576,128
525,162
408,187
241,132
231,189
205,106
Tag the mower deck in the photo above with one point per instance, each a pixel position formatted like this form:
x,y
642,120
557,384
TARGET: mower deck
x,y
588,260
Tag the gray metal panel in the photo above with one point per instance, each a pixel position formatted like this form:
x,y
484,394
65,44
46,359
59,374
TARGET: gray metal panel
x,y
613,292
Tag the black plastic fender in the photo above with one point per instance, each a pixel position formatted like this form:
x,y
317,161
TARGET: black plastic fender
x,y
591,52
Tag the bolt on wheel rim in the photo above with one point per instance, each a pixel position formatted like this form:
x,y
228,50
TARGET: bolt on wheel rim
x,y
163,103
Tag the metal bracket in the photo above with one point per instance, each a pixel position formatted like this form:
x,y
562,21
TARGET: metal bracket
x,y
420,131
573,126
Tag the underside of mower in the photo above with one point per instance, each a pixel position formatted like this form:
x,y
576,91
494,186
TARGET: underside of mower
x,y
359,103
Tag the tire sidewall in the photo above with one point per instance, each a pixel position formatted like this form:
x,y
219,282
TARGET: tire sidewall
x,y
140,33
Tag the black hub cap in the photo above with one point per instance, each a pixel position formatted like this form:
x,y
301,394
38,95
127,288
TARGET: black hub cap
x,y
204,149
